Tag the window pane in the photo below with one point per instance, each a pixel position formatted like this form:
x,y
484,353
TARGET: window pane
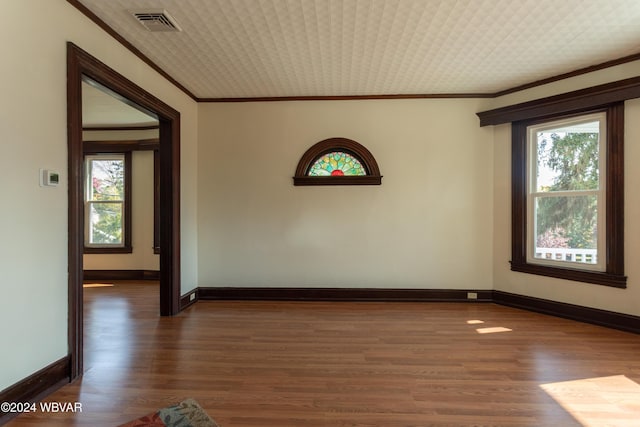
x,y
567,158
105,223
107,180
336,163
566,228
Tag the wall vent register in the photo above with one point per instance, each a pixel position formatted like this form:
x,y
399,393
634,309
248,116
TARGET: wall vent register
x,y
156,20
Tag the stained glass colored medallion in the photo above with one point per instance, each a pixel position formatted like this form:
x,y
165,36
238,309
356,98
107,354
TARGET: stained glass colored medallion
x,y
336,163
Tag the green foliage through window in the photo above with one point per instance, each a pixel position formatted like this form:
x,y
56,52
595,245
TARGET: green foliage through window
x,y
105,200
571,160
565,190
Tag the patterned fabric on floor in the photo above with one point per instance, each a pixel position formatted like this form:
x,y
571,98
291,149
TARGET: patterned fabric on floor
x,y
185,414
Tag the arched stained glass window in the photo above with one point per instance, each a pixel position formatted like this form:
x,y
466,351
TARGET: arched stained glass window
x,y
337,161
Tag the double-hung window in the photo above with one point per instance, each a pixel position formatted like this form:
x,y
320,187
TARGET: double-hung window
x,y
107,203
567,213
566,183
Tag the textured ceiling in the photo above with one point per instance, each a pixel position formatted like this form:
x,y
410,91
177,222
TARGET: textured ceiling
x,y
282,48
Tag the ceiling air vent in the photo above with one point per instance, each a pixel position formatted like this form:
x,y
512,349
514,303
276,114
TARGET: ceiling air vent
x,y
156,20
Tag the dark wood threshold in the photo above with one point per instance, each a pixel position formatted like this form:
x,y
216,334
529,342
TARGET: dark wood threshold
x,y
121,275
595,316
189,299
343,294
35,387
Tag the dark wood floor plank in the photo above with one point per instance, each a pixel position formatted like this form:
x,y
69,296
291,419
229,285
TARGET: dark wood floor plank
x,y
327,364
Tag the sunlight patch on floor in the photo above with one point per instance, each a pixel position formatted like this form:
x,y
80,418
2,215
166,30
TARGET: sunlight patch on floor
x,y
493,330
595,402
97,285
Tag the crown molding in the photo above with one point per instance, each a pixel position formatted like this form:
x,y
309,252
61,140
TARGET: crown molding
x,y
564,103
350,97
100,23
109,30
575,73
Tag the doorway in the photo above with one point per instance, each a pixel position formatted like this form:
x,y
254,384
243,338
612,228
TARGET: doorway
x,y
81,65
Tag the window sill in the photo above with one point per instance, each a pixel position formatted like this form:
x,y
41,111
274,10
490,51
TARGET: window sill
x,y
338,180
595,277
118,250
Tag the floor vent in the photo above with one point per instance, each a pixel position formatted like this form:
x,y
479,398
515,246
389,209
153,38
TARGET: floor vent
x,y
156,20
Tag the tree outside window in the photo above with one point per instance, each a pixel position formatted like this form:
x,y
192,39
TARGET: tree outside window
x,y
106,202
566,193
568,196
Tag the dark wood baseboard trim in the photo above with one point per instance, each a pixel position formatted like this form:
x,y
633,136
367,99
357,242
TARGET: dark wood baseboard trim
x,y
342,294
121,275
187,301
35,387
610,319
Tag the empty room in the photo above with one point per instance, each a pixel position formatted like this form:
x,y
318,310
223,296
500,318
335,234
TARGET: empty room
x,y
317,213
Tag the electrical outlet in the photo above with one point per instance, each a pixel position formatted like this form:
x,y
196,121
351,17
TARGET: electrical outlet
x,y
472,295
192,296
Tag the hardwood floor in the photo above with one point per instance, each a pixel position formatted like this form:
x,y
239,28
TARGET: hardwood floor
x,y
313,364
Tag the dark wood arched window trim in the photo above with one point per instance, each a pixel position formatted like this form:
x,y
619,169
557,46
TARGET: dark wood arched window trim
x,y
354,148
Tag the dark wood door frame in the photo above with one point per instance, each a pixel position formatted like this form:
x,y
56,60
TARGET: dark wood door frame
x,y
81,65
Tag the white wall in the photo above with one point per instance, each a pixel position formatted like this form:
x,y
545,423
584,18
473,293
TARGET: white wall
x,y
588,295
33,256
429,225
120,135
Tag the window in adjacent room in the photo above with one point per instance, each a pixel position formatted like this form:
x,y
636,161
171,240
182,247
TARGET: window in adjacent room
x,y
568,197
108,203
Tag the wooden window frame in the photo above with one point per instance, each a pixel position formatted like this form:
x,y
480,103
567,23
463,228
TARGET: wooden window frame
x,y
610,96
126,247
128,146
534,192
357,150
613,275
